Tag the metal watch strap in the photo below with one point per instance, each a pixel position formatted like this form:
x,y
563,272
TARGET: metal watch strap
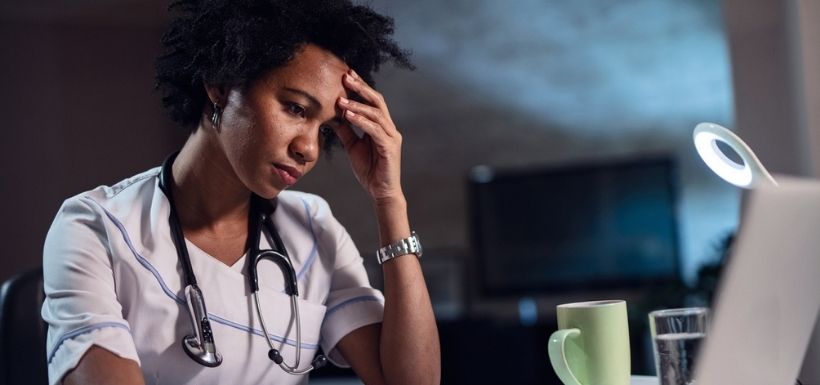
x,y
409,245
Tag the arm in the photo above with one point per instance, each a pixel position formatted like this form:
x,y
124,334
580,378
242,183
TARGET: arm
x,y
81,307
407,341
99,366
409,338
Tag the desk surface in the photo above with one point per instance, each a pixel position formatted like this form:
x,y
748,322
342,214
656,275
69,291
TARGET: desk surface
x,y
644,380
636,380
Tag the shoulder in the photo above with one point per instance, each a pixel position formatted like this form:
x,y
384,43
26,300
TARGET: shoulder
x,y
90,209
109,197
85,224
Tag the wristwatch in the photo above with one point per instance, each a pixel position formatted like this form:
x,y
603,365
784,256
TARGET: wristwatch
x,y
409,245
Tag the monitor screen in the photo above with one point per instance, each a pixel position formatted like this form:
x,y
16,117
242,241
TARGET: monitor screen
x,y
579,226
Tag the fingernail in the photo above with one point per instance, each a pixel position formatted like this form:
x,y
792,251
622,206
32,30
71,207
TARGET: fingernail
x,y
343,100
350,78
350,113
353,73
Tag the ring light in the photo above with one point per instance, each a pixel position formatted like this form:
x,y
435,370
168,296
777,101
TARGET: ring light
x,y
748,175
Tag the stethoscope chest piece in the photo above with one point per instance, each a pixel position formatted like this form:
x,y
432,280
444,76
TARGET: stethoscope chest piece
x,y
200,354
200,346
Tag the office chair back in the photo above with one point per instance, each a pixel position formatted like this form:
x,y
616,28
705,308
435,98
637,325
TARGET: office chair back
x,y
22,330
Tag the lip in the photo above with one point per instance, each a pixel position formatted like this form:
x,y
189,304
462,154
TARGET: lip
x,y
288,174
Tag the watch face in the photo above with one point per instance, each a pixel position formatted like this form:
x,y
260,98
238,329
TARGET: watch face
x,y
418,244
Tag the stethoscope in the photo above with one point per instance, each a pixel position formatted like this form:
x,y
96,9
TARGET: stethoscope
x,y
200,346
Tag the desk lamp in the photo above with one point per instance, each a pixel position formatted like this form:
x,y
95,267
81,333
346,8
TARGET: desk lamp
x,y
748,175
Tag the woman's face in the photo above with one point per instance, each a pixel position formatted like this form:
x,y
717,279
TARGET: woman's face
x,y
271,131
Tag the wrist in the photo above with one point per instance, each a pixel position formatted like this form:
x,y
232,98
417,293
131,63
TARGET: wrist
x,y
390,202
391,215
402,247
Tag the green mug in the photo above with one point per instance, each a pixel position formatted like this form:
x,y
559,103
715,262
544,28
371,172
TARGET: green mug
x,y
591,346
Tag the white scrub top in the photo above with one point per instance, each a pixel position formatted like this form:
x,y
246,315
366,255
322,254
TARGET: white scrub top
x,y
113,279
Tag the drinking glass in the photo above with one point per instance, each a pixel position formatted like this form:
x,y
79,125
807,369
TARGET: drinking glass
x,y
676,336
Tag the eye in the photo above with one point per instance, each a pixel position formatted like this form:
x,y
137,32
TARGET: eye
x,y
295,109
328,138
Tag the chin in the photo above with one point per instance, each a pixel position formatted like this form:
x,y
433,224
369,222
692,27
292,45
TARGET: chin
x,y
269,192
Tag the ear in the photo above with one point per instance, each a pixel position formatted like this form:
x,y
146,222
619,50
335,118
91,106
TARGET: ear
x,y
217,93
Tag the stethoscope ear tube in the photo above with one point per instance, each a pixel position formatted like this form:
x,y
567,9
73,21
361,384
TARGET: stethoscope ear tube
x,y
166,182
274,354
291,288
280,260
278,256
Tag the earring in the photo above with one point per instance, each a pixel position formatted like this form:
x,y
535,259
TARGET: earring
x,y
216,118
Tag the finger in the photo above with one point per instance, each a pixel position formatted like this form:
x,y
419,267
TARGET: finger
x,y
370,95
369,112
356,84
375,130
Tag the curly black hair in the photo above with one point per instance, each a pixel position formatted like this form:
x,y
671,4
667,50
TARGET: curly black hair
x,y
234,42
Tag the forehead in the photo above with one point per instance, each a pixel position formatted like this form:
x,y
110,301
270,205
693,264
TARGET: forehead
x,y
312,70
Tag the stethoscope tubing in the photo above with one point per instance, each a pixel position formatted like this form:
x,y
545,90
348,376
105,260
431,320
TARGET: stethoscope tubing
x,y
200,346
294,308
281,258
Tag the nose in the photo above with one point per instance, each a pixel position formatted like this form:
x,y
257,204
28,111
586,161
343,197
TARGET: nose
x,y
305,147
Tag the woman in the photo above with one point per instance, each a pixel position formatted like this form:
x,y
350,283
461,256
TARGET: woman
x,y
264,86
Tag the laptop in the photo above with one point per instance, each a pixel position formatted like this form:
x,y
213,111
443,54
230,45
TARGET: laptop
x,y
769,295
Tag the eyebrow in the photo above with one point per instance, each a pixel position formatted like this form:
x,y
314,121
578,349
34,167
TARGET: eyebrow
x,y
310,97
315,102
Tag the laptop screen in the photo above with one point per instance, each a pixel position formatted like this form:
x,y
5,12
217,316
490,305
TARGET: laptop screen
x,y
769,295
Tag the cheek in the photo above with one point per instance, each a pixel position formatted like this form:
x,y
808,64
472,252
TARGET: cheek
x,y
257,141
255,135
237,137
238,134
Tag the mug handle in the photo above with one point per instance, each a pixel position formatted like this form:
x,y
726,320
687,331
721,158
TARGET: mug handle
x,y
558,357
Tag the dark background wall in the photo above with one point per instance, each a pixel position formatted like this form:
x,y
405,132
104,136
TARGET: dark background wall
x,y
534,83
526,84
516,85
78,112
521,85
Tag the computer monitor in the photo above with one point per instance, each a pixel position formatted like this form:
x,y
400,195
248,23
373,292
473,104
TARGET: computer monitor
x,y
571,227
